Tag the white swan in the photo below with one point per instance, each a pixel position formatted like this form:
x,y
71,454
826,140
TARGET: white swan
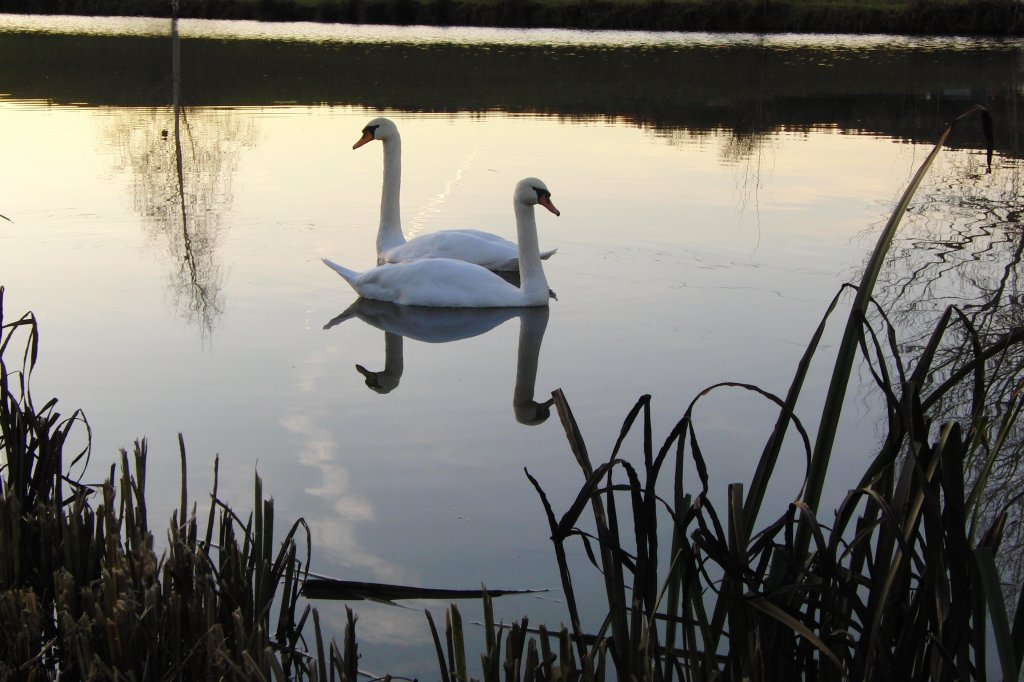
x,y
473,246
449,283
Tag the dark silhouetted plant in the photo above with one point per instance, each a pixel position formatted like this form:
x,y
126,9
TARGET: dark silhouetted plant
x,y
83,594
898,585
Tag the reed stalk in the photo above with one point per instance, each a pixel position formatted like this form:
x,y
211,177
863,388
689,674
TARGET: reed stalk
x,y
903,583
847,352
83,594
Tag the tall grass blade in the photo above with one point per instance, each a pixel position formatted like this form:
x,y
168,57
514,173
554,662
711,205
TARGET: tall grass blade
x,y
456,643
564,573
797,627
442,664
614,588
1009,656
351,662
770,455
847,350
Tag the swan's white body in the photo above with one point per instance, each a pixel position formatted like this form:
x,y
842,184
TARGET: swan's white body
x,y
473,246
449,283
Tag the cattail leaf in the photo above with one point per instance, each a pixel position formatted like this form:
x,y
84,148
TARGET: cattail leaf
x,y
832,407
798,627
1009,657
441,664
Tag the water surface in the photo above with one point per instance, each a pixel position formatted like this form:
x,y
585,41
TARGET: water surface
x,y
170,207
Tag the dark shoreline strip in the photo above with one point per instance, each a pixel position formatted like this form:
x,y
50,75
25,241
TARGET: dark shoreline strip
x,y
914,17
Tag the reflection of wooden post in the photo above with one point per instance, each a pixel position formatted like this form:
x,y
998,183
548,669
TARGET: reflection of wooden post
x,y
179,162
198,293
176,101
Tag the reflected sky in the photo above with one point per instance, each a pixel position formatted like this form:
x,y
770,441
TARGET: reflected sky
x,y
680,264
685,258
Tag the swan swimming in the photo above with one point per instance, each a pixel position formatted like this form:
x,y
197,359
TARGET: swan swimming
x,y
450,283
473,246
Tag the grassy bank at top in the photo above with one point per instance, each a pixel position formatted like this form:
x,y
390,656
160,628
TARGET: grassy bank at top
x,y
913,17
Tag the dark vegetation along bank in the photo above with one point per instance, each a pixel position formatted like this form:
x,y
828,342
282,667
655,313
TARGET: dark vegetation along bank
x,y
894,93
901,581
913,17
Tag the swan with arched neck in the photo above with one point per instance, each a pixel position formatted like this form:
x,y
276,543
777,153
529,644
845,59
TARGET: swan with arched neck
x,y
473,246
450,283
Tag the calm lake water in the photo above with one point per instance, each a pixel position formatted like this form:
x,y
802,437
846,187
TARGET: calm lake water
x,y
716,192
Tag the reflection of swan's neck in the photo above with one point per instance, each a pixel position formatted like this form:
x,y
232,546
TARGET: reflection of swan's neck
x,y
387,379
394,359
389,234
532,281
532,323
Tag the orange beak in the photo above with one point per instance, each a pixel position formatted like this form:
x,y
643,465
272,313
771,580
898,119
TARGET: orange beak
x,y
367,137
546,203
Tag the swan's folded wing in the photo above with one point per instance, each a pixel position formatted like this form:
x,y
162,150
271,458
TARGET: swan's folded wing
x,y
471,246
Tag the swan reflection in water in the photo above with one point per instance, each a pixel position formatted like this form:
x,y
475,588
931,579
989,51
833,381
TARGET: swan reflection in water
x,y
441,325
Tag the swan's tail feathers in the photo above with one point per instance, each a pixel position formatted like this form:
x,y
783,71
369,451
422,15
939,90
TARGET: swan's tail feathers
x,y
547,254
349,275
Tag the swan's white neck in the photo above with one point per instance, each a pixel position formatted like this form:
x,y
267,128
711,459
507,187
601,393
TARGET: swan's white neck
x,y
389,233
532,282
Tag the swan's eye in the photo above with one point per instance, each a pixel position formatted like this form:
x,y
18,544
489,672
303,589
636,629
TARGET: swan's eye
x,y
370,129
542,194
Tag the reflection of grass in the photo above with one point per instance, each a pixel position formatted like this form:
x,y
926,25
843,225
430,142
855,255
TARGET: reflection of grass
x,y
900,582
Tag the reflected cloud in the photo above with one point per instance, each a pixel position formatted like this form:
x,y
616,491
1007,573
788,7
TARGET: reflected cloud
x,y
383,624
443,325
335,533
